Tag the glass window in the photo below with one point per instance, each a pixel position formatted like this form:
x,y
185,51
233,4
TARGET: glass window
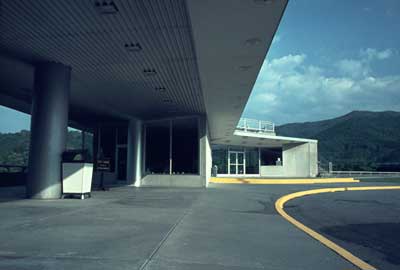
x,y
74,139
185,146
88,141
232,157
240,158
240,169
157,157
122,135
232,169
271,156
252,161
220,158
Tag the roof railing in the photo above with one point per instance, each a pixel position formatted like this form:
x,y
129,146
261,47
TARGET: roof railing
x,y
254,125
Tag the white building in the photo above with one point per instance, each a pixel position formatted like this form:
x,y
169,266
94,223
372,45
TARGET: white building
x,y
255,150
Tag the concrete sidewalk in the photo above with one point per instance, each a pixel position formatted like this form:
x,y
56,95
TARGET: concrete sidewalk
x,y
222,227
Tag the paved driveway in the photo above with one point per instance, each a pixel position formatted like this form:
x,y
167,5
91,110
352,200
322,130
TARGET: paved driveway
x,y
222,227
367,223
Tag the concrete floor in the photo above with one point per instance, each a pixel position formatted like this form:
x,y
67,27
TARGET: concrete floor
x,y
223,227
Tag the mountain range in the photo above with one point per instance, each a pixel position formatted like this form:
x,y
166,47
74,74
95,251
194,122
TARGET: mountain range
x,y
360,140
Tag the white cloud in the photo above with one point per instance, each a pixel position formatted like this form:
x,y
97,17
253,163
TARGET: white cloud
x,y
289,89
361,67
287,63
268,97
352,67
373,54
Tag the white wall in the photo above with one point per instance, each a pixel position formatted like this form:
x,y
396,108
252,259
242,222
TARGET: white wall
x,y
272,170
298,160
157,180
313,159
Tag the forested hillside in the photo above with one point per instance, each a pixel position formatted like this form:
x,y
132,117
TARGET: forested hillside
x,y
360,140
14,147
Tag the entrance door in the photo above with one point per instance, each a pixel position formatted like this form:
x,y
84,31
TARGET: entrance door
x,y
236,162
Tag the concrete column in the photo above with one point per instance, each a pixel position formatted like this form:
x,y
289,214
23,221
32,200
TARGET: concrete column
x,y
205,151
134,160
49,123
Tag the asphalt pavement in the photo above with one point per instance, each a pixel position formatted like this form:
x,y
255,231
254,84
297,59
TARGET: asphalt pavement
x,y
222,227
366,223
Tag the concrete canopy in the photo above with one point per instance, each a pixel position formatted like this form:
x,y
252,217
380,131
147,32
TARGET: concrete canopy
x,y
251,139
147,59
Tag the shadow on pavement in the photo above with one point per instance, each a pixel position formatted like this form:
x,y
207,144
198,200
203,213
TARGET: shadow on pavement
x,y
381,237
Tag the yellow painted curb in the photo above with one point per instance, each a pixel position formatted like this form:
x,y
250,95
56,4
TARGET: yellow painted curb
x,y
257,181
280,203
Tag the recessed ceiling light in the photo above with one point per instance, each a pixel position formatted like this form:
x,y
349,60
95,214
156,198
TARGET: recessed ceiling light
x,y
133,47
106,7
245,67
252,42
263,1
149,72
160,89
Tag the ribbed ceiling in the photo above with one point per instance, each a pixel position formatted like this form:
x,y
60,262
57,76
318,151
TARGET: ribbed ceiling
x,y
106,76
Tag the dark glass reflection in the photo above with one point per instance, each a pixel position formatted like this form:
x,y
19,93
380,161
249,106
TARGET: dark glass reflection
x,y
252,166
271,156
185,146
157,148
220,158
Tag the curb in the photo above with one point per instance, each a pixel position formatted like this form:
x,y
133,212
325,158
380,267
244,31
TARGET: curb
x,y
294,181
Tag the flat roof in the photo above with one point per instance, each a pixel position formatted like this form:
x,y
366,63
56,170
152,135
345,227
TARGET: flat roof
x,y
252,139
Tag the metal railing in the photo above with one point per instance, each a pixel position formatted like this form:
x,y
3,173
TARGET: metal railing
x,y
254,125
364,173
333,173
12,168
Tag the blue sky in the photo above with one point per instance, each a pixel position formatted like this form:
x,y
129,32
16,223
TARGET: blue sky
x,y
13,121
328,58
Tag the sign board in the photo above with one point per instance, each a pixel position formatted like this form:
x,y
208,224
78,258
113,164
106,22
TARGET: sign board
x,y
104,165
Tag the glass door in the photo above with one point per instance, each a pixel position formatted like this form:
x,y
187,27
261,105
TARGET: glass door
x,y
240,163
236,162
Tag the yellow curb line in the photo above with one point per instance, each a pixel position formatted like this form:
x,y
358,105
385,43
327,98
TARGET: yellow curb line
x,y
280,203
282,181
